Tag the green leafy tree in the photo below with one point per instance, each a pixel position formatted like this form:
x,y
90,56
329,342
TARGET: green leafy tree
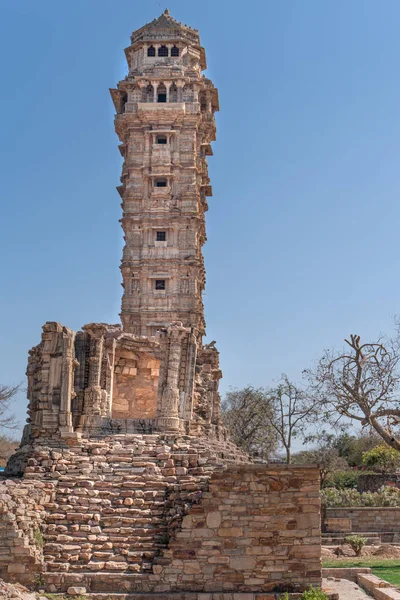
x,y
382,458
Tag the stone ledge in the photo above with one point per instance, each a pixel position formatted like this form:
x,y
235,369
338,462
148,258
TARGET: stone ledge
x,y
271,466
349,573
378,588
193,596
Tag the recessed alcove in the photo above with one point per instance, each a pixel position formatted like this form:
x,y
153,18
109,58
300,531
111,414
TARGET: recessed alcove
x,y
135,385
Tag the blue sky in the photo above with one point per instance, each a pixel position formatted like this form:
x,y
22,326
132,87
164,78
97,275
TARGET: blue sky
x,y
303,227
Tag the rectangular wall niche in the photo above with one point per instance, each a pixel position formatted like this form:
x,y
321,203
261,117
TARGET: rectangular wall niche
x,y
135,385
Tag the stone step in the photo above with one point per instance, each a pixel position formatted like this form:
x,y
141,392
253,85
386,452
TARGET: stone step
x,y
341,533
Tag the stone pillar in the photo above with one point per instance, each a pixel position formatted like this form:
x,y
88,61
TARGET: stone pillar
x,y
142,85
110,345
155,86
67,380
179,85
209,102
47,418
168,417
168,87
189,378
93,393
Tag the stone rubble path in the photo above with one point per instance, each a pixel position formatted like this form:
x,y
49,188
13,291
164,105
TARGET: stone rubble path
x,y
347,590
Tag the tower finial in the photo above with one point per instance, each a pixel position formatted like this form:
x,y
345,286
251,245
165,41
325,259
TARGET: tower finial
x,y
166,12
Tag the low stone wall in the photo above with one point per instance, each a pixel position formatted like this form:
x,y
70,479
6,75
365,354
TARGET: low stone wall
x,y
22,517
362,519
378,588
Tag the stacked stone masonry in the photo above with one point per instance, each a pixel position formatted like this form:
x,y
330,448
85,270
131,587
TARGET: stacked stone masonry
x,y
159,513
362,519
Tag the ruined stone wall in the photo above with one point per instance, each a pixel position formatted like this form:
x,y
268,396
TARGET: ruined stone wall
x,y
117,502
22,517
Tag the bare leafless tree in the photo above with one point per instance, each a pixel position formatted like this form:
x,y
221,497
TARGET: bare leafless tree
x,y
362,383
295,411
8,446
248,414
7,394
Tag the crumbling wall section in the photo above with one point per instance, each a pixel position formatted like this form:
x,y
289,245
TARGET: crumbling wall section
x,y
22,518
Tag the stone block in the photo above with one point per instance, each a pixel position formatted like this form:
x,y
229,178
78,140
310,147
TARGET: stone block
x,y
76,591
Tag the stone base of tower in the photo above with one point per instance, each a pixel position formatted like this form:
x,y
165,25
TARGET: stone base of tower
x,y
164,515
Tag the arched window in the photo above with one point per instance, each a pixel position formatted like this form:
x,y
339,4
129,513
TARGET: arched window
x,y
151,51
160,182
174,51
161,93
161,139
163,51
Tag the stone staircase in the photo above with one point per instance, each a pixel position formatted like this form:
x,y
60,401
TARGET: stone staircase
x,y
117,503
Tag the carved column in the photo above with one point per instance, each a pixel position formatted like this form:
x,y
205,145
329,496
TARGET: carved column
x,y
189,378
168,87
67,380
168,417
93,393
155,87
110,345
179,85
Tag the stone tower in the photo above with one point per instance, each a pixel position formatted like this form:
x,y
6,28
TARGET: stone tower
x,y
130,482
165,121
153,373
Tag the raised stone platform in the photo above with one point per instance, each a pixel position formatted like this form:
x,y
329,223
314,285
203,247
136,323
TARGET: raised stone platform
x,y
160,513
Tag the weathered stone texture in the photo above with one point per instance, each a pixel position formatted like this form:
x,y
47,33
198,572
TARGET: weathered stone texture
x,y
363,519
167,514
22,518
257,528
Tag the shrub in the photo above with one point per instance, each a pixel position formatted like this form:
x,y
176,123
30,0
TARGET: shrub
x,y
336,498
342,480
314,594
382,458
38,538
357,542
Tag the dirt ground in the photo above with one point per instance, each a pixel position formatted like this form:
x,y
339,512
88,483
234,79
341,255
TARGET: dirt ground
x,y
345,550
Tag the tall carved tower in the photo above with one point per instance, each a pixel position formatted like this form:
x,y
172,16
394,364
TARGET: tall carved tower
x,y
165,121
153,373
